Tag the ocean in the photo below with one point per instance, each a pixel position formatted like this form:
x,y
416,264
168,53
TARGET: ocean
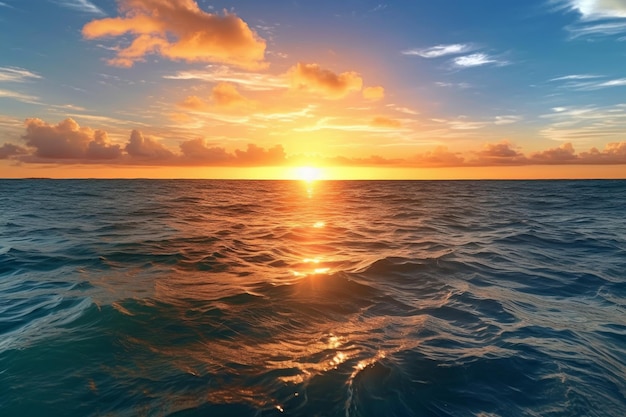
x,y
326,298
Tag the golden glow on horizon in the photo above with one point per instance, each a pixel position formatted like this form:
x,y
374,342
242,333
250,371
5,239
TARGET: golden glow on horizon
x,y
307,173
326,173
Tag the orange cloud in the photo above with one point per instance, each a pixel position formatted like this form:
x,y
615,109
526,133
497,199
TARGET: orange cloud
x,y
146,148
499,154
385,122
226,95
613,153
312,78
438,157
562,155
179,30
9,150
196,152
373,93
193,103
69,143
67,140
223,96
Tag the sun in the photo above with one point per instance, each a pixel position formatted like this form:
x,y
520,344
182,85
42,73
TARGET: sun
x,y
307,173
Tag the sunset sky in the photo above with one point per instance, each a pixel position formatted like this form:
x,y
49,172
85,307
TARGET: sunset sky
x,y
352,89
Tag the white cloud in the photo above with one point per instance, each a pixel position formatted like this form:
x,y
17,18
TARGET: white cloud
x,y
599,29
596,17
597,9
588,82
440,50
576,77
506,119
476,60
84,6
452,85
18,75
621,82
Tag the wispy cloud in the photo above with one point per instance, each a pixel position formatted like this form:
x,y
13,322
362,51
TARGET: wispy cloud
x,y
598,29
377,125
587,82
576,77
584,124
25,98
379,7
595,9
246,80
84,6
440,50
596,17
476,60
507,119
452,85
2,4
14,74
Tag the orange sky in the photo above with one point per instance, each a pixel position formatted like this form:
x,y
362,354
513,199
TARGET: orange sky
x,y
183,89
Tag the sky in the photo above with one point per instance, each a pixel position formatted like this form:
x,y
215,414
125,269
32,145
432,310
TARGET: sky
x,y
409,89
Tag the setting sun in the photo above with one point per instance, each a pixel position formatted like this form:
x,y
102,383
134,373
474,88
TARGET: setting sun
x,y
308,173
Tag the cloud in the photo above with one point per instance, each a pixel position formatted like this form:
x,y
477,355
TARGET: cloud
x,y
378,125
194,103
69,143
19,96
576,77
402,109
506,119
16,75
476,60
313,78
196,152
67,140
225,95
452,85
9,150
441,156
440,50
84,6
386,122
588,82
596,17
374,93
501,153
586,123
179,30
613,153
146,148
246,80
596,9
564,154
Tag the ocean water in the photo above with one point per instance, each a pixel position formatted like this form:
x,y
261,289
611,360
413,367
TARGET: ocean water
x,y
271,298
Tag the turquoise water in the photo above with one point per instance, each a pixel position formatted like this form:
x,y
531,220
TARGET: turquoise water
x,y
261,298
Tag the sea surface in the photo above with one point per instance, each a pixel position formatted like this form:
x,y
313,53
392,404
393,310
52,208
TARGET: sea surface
x,y
327,298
